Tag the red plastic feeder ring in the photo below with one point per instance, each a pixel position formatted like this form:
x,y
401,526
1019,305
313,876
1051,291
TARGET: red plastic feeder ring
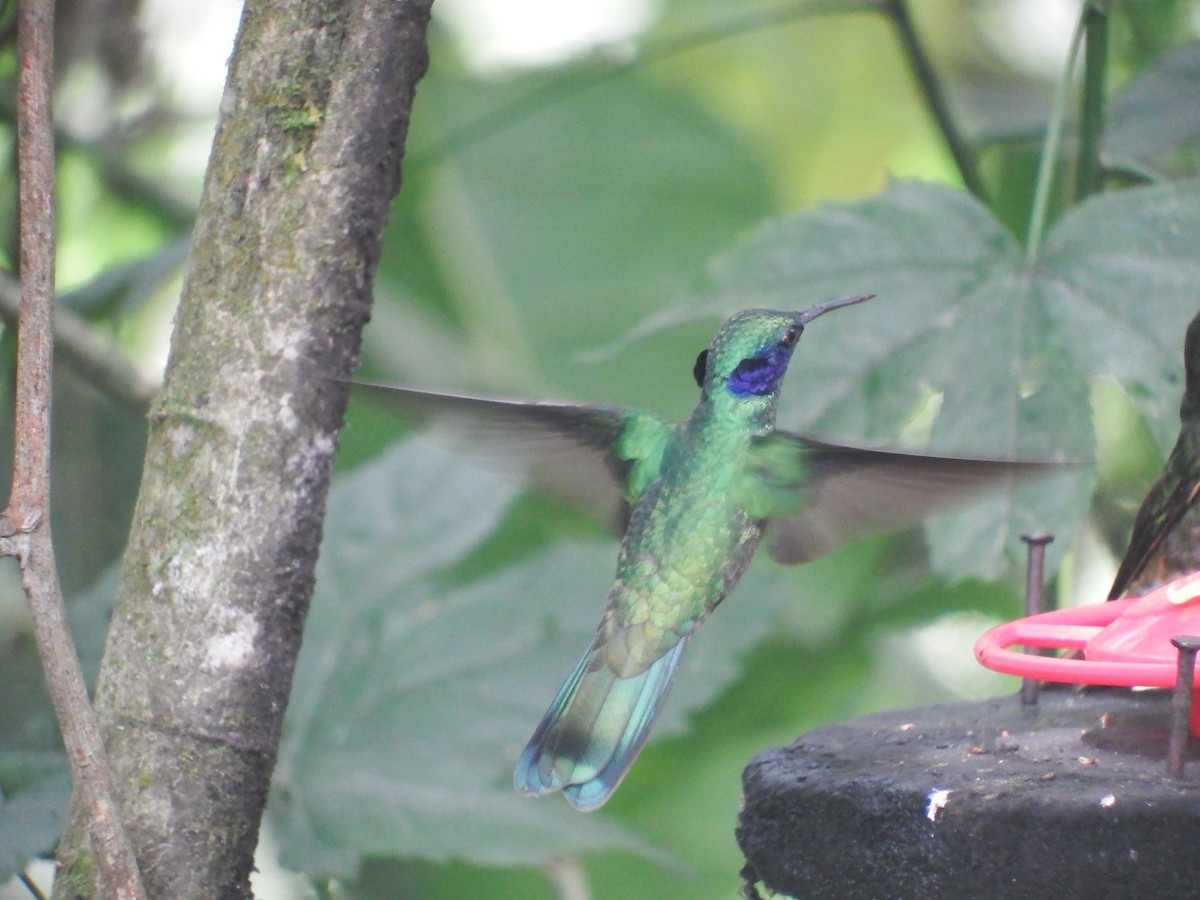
x,y
1125,643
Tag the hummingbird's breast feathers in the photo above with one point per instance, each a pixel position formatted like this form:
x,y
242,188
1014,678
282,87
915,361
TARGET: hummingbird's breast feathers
x,y
687,542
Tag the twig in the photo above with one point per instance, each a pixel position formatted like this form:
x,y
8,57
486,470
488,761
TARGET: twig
x,y
931,87
112,155
101,365
1091,120
25,524
31,885
567,875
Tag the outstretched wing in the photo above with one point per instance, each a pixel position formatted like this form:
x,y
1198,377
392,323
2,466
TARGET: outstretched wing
x,y
582,454
841,493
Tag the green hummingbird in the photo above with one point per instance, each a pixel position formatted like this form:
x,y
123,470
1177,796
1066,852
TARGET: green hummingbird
x,y
695,500
1165,543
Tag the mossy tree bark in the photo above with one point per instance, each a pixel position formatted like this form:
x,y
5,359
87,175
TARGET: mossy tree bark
x,y
218,573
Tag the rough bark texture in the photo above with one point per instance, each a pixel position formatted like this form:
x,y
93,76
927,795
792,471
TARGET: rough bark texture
x,y
218,573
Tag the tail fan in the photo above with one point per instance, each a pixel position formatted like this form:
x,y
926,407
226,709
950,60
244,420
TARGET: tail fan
x,y
594,729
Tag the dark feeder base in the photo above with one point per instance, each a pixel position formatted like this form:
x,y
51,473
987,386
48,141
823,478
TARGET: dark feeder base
x,y
1065,799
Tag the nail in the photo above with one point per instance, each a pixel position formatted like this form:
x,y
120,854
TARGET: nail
x,y
1181,702
1035,566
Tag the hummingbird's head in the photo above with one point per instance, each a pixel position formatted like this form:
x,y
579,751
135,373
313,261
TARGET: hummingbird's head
x,y
750,354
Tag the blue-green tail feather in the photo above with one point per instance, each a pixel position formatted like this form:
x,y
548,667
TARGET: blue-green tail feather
x,y
594,729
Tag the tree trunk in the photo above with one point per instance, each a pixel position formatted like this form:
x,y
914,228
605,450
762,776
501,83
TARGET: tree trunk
x,y
219,569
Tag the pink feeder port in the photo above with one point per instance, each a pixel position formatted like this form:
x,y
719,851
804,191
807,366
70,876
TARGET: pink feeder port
x,y
1125,643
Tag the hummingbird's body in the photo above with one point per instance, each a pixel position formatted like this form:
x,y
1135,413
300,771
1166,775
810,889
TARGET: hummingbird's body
x,y
688,541
691,534
695,528
700,498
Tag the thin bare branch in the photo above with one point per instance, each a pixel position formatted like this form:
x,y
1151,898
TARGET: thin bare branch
x,y
25,525
31,885
568,877
77,344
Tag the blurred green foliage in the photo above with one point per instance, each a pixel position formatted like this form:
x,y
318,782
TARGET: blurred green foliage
x,y
577,232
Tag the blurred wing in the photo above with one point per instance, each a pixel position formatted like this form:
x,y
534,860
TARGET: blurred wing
x,y
567,450
852,492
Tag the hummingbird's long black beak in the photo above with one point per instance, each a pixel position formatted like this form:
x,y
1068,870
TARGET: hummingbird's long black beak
x,y
821,308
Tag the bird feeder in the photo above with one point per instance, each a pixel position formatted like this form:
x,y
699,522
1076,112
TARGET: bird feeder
x,y
1050,793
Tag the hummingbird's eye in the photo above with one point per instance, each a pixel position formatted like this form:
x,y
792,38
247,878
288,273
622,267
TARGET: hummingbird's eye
x,y
792,335
700,368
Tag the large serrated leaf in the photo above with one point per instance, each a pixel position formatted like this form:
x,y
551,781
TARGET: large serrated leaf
x,y
1118,279
412,752
1005,346
411,704
1158,114
458,505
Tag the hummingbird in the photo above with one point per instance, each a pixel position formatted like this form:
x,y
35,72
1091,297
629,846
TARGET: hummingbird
x,y
1165,543
693,502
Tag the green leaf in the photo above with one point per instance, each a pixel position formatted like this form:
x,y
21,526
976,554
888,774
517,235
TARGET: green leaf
x,y
34,792
35,787
1005,350
125,287
1158,114
411,700
1118,279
